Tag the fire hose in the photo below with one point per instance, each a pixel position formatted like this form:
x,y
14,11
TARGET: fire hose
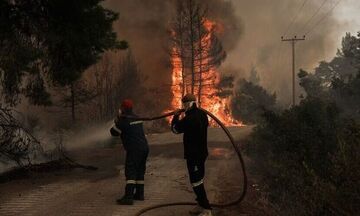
x,y
238,153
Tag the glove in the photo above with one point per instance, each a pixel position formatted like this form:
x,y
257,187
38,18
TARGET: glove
x,y
113,132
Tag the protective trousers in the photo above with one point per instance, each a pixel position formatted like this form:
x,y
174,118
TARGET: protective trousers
x,y
196,171
135,167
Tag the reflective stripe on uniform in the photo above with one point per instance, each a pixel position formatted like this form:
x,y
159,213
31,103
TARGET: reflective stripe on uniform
x,y
140,182
116,129
196,184
136,122
130,182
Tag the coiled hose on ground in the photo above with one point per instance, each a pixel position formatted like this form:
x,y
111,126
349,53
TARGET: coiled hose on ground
x,y
237,150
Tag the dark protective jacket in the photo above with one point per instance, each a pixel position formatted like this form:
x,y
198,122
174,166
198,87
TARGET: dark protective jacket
x,y
131,132
194,126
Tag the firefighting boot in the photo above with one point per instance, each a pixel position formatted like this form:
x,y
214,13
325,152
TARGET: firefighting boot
x,y
139,194
128,198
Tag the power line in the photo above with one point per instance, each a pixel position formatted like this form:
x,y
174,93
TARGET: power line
x,y
323,18
313,16
295,17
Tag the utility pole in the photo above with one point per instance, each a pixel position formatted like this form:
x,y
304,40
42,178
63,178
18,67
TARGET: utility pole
x,y
293,42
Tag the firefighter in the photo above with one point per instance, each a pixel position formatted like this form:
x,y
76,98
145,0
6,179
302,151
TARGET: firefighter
x,y
194,127
136,146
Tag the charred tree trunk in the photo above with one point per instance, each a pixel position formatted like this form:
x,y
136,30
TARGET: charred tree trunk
x,y
192,44
183,75
181,42
200,50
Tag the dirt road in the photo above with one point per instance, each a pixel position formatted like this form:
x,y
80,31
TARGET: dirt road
x,y
83,192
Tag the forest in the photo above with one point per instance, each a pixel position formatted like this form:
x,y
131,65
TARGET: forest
x,y
65,67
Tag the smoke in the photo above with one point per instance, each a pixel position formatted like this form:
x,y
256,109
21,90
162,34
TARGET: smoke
x,y
265,22
251,36
144,25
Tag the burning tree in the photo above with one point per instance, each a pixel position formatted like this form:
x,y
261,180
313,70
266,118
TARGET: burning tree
x,y
196,50
196,53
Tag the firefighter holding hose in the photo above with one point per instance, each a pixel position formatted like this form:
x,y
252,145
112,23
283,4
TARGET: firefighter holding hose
x,y
136,146
194,127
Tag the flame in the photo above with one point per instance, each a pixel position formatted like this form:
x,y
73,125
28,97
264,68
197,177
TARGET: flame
x,y
209,98
176,80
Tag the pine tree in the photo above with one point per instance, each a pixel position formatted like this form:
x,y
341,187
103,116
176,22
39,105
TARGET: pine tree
x,y
53,42
196,45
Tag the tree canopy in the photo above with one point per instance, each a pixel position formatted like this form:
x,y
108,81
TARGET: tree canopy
x,y
250,101
306,157
337,80
50,42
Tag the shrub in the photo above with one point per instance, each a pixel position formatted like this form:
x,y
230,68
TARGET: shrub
x,y
249,102
307,159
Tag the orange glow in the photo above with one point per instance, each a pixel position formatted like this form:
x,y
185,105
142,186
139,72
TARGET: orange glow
x,y
176,87
219,152
209,98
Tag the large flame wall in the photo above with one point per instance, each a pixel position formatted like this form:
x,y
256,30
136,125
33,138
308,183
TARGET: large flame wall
x,y
209,92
